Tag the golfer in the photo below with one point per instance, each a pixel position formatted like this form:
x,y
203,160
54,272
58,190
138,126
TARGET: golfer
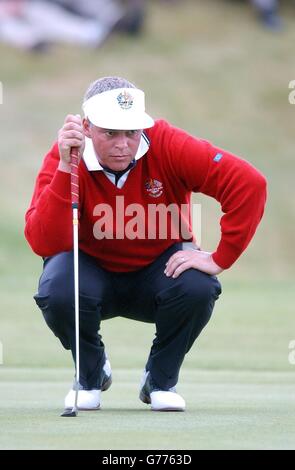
x,y
138,257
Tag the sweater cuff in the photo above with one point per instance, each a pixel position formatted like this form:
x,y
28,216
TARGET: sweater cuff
x,y
226,254
61,185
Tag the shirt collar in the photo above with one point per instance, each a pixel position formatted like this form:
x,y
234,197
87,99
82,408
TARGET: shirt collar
x,y
92,162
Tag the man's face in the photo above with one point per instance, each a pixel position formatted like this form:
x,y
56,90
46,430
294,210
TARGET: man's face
x,y
114,149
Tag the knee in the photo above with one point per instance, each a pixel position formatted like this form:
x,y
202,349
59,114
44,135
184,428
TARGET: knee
x,y
56,285
200,288
56,299
58,313
191,288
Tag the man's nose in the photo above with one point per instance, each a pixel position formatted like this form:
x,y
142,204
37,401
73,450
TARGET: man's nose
x,y
122,141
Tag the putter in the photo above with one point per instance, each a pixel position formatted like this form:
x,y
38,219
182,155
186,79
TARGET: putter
x,y
73,412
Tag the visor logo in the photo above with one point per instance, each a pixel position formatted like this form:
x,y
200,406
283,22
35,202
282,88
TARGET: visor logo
x,y
125,100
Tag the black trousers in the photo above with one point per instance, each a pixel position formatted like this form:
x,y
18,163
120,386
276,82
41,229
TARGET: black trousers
x,y
179,308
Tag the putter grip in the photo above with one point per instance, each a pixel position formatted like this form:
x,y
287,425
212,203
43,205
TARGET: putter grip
x,y
75,177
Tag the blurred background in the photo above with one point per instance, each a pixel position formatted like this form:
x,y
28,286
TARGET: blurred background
x,y
219,69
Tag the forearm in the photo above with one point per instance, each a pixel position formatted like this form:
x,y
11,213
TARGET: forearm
x,y
239,225
48,221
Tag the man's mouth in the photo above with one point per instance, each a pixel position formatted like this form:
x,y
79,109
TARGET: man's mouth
x,y
119,156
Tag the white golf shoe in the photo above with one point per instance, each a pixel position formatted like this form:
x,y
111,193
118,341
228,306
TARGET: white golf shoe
x,y
87,400
160,400
90,399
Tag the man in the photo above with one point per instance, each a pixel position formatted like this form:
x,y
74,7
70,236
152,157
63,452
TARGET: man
x,y
138,258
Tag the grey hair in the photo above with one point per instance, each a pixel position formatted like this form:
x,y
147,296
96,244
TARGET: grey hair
x,y
105,84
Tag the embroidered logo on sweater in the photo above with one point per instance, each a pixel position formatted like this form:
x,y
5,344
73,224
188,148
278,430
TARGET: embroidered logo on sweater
x,y
218,157
125,100
154,187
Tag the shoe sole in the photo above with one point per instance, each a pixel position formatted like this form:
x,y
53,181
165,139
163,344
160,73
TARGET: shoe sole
x,y
178,410
83,409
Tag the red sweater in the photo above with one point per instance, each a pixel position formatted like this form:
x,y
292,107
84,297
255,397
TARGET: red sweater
x,y
176,165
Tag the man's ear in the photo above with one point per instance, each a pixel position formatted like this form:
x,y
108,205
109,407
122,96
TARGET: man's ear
x,y
86,127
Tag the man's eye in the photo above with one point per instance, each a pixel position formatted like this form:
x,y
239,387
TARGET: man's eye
x,y
132,133
109,133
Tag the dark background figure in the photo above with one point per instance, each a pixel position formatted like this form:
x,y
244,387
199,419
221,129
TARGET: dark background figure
x,y
268,14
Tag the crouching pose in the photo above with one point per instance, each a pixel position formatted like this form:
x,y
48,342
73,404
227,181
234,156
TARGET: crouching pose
x,y
138,257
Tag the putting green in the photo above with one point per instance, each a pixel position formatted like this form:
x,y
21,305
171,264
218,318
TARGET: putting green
x,y
225,410
225,81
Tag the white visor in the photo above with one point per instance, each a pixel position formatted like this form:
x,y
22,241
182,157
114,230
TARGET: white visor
x,y
120,109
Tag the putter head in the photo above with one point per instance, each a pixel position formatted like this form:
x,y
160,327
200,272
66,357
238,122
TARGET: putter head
x,y
72,412
69,413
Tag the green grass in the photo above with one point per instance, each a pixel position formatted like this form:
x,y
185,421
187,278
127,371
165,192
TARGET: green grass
x,y
209,68
226,410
